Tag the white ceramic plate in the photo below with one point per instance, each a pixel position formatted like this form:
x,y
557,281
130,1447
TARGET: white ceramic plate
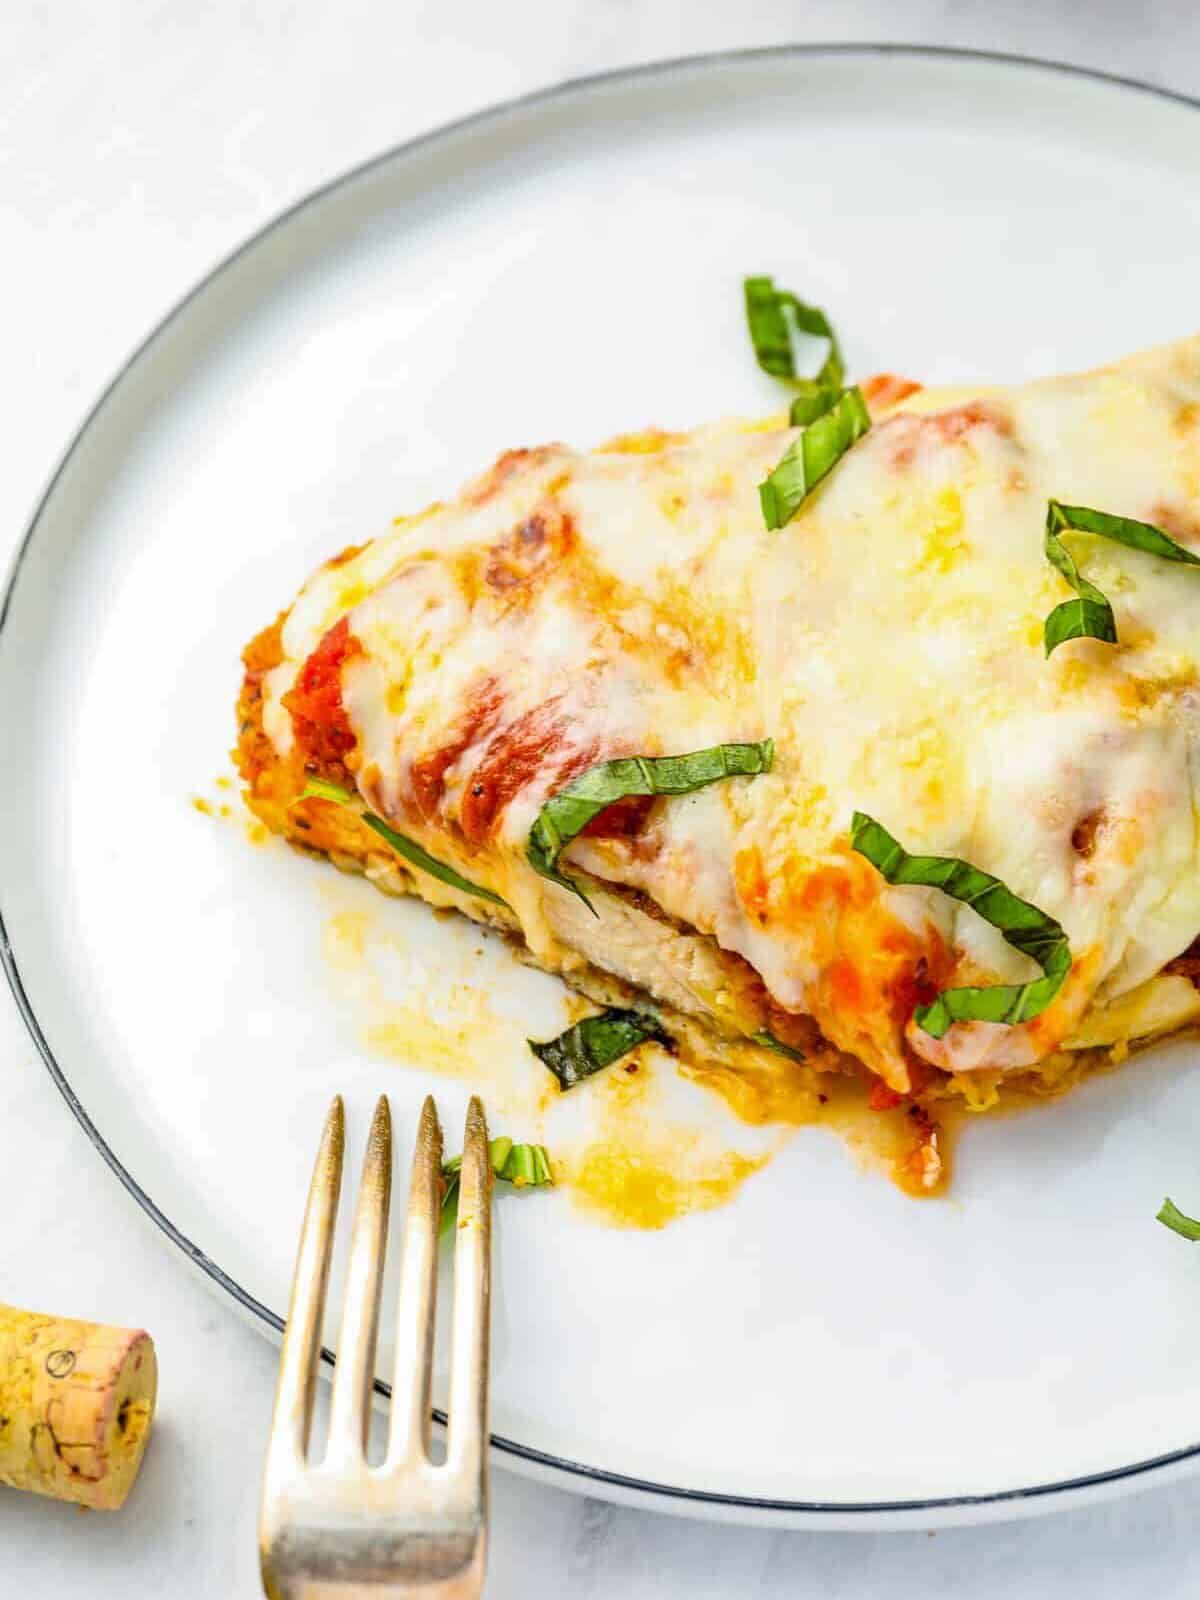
x,y
821,1348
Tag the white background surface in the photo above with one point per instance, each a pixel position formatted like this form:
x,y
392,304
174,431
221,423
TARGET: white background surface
x,y
138,143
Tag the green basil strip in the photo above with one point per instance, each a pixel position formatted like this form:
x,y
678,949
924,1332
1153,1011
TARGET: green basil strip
x,y
812,457
1089,615
1026,928
525,1166
319,789
767,311
769,331
567,813
596,1042
806,409
770,1042
1171,1216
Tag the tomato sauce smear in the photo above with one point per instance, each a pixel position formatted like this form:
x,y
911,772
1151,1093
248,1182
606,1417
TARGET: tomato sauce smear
x,y
319,722
886,389
907,431
538,744
624,819
535,742
427,774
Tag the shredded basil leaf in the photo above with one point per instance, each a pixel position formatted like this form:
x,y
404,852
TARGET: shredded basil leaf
x,y
596,1042
806,409
1089,615
1026,928
812,457
767,310
1171,1216
320,789
769,331
567,813
770,1042
525,1166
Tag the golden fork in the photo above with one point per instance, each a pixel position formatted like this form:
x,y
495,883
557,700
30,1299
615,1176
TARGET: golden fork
x,y
408,1529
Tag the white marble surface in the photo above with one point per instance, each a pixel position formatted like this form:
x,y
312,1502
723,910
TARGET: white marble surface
x,y
139,140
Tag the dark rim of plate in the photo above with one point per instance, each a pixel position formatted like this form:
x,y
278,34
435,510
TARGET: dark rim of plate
x,y
680,1497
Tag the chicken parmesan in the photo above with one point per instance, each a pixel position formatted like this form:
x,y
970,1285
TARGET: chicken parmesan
x,y
863,741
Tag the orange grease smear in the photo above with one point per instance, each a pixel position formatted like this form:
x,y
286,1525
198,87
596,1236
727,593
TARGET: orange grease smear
x,y
873,969
645,1188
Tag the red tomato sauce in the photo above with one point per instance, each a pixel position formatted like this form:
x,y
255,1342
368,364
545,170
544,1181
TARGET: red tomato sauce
x,y
533,743
908,430
427,775
624,819
886,389
319,719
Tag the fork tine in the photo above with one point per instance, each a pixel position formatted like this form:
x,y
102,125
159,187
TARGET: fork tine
x,y
291,1421
354,1375
409,1439
466,1451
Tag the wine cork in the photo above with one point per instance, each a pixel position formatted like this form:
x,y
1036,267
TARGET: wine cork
x,y
76,1403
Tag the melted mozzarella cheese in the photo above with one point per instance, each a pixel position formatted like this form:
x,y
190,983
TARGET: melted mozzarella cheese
x,y
888,639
